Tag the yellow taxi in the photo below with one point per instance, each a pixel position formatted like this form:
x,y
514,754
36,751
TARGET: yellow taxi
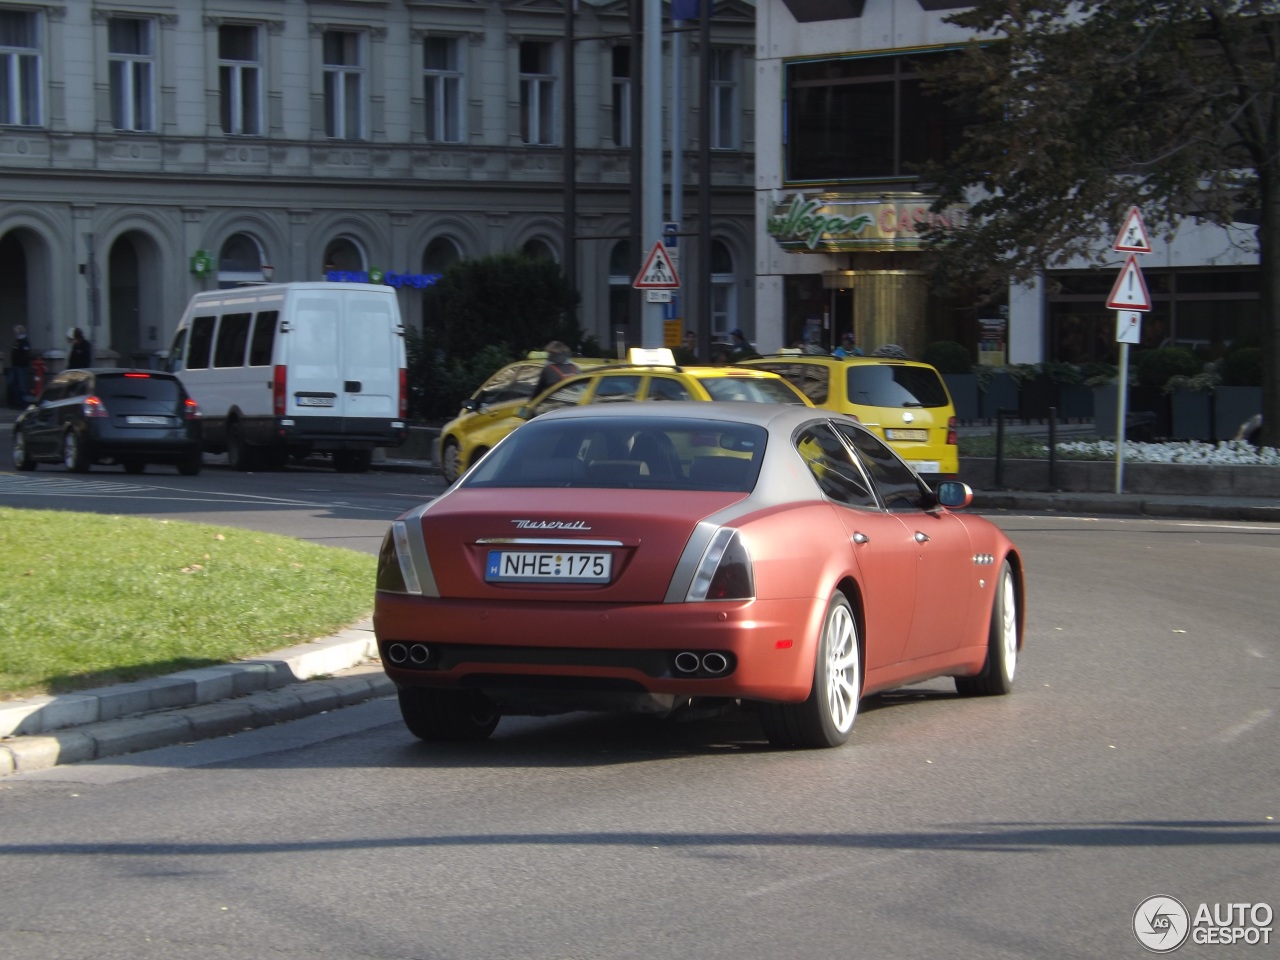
x,y
649,375
905,402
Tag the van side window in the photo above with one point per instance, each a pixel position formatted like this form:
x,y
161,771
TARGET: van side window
x,y
201,342
264,338
233,337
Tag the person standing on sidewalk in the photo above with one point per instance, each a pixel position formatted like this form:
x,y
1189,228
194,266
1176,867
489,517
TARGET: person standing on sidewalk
x,y
19,372
81,355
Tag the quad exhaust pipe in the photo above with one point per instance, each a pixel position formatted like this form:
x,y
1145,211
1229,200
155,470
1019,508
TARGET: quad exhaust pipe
x,y
415,653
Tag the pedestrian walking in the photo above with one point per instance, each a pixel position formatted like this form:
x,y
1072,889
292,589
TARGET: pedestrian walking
x,y
81,354
18,375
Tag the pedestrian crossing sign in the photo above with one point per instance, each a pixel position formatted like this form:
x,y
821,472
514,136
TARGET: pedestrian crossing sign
x,y
659,272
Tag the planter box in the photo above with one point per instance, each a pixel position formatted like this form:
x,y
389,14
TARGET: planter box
x,y
963,388
1233,406
1099,476
1191,415
1075,402
1001,393
1035,398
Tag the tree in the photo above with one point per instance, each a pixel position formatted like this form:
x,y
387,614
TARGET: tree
x,y
1081,108
510,299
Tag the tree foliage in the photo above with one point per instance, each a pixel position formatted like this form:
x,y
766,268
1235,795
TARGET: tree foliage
x,y
1082,109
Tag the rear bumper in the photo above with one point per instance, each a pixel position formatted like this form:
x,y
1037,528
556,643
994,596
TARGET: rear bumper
x,y
768,646
326,433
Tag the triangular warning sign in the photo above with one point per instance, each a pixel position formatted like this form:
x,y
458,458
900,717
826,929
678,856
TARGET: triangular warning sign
x,y
658,272
1132,237
1130,290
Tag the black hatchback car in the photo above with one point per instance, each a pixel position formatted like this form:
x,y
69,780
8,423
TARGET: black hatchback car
x,y
129,417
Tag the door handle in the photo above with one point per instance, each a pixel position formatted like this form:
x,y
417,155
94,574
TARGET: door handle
x,y
860,538
921,537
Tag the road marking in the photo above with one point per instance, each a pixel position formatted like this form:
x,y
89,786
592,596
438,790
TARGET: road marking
x,y
1240,729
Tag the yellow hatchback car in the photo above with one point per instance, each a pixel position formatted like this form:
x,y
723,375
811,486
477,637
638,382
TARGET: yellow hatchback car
x,y
906,402
469,436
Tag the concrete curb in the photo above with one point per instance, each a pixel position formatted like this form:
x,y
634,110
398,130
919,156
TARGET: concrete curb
x,y
41,732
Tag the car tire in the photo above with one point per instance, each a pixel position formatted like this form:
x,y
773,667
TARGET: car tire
x,y
996,678
240,456
451,460
826,718
448,715
192,465
21,457
74,457
133,466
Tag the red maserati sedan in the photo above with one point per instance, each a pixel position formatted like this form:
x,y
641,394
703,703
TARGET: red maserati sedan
x,y
649,557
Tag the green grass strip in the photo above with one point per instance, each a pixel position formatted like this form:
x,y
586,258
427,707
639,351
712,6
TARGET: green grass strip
x,y
87,600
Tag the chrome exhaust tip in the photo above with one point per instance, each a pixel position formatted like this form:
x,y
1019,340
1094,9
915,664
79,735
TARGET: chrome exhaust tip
x,y
715,663
397,653
419,653
687,662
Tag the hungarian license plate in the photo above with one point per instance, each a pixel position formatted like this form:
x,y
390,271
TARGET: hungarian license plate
x,y
900,434
529,566
147,421
315,401
925,466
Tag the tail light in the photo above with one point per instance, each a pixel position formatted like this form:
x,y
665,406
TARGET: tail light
x,y
951,431
279,390
404,393
396,572
725,571
93,407
190,409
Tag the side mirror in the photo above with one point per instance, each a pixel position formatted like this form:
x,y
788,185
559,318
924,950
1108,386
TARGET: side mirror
x,y
954,495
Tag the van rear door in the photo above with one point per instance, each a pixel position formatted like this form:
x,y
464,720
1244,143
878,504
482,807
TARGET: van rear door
x,y
344,354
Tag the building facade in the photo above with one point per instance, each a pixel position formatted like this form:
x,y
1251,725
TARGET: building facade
x,y
841,121
150,149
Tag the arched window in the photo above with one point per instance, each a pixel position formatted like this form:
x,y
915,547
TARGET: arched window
x,y
242,260
440,253
724,291
343,254
620,278
537,249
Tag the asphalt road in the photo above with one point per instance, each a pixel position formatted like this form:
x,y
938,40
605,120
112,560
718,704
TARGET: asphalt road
x,y
1137,757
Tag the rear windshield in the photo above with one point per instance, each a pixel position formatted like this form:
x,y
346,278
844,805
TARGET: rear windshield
x,y
137,387
633,452
750,390
895,385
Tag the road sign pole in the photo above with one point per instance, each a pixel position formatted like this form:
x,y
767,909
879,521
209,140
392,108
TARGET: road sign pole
x,y
1122,414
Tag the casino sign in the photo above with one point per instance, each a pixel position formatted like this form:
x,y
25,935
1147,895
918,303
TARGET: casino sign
x,y
841,223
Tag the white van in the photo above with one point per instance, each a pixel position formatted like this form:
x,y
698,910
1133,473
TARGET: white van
x,y
291,369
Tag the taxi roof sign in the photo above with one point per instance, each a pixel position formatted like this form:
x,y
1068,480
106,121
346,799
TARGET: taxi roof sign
x,y
658,272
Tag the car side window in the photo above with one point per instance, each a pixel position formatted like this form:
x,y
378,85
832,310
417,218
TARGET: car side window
x,y
569,395
667,388
899,487
615,389
201,345
833,467
55,390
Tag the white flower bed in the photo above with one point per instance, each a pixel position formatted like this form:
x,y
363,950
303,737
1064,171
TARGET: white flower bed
x,y
1232,453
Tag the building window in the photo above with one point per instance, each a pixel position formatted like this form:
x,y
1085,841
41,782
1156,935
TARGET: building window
x,y
343,254
241,261
865,118
621,274
622,96
724,291
240,80
442,89
724,99
20,68
131,72
537,93
343,85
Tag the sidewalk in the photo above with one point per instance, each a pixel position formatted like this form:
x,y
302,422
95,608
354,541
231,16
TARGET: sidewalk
x,y
343,670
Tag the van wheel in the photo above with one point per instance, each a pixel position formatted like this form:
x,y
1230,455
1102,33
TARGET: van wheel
x,y
192,465
352,461
74,457
240,456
